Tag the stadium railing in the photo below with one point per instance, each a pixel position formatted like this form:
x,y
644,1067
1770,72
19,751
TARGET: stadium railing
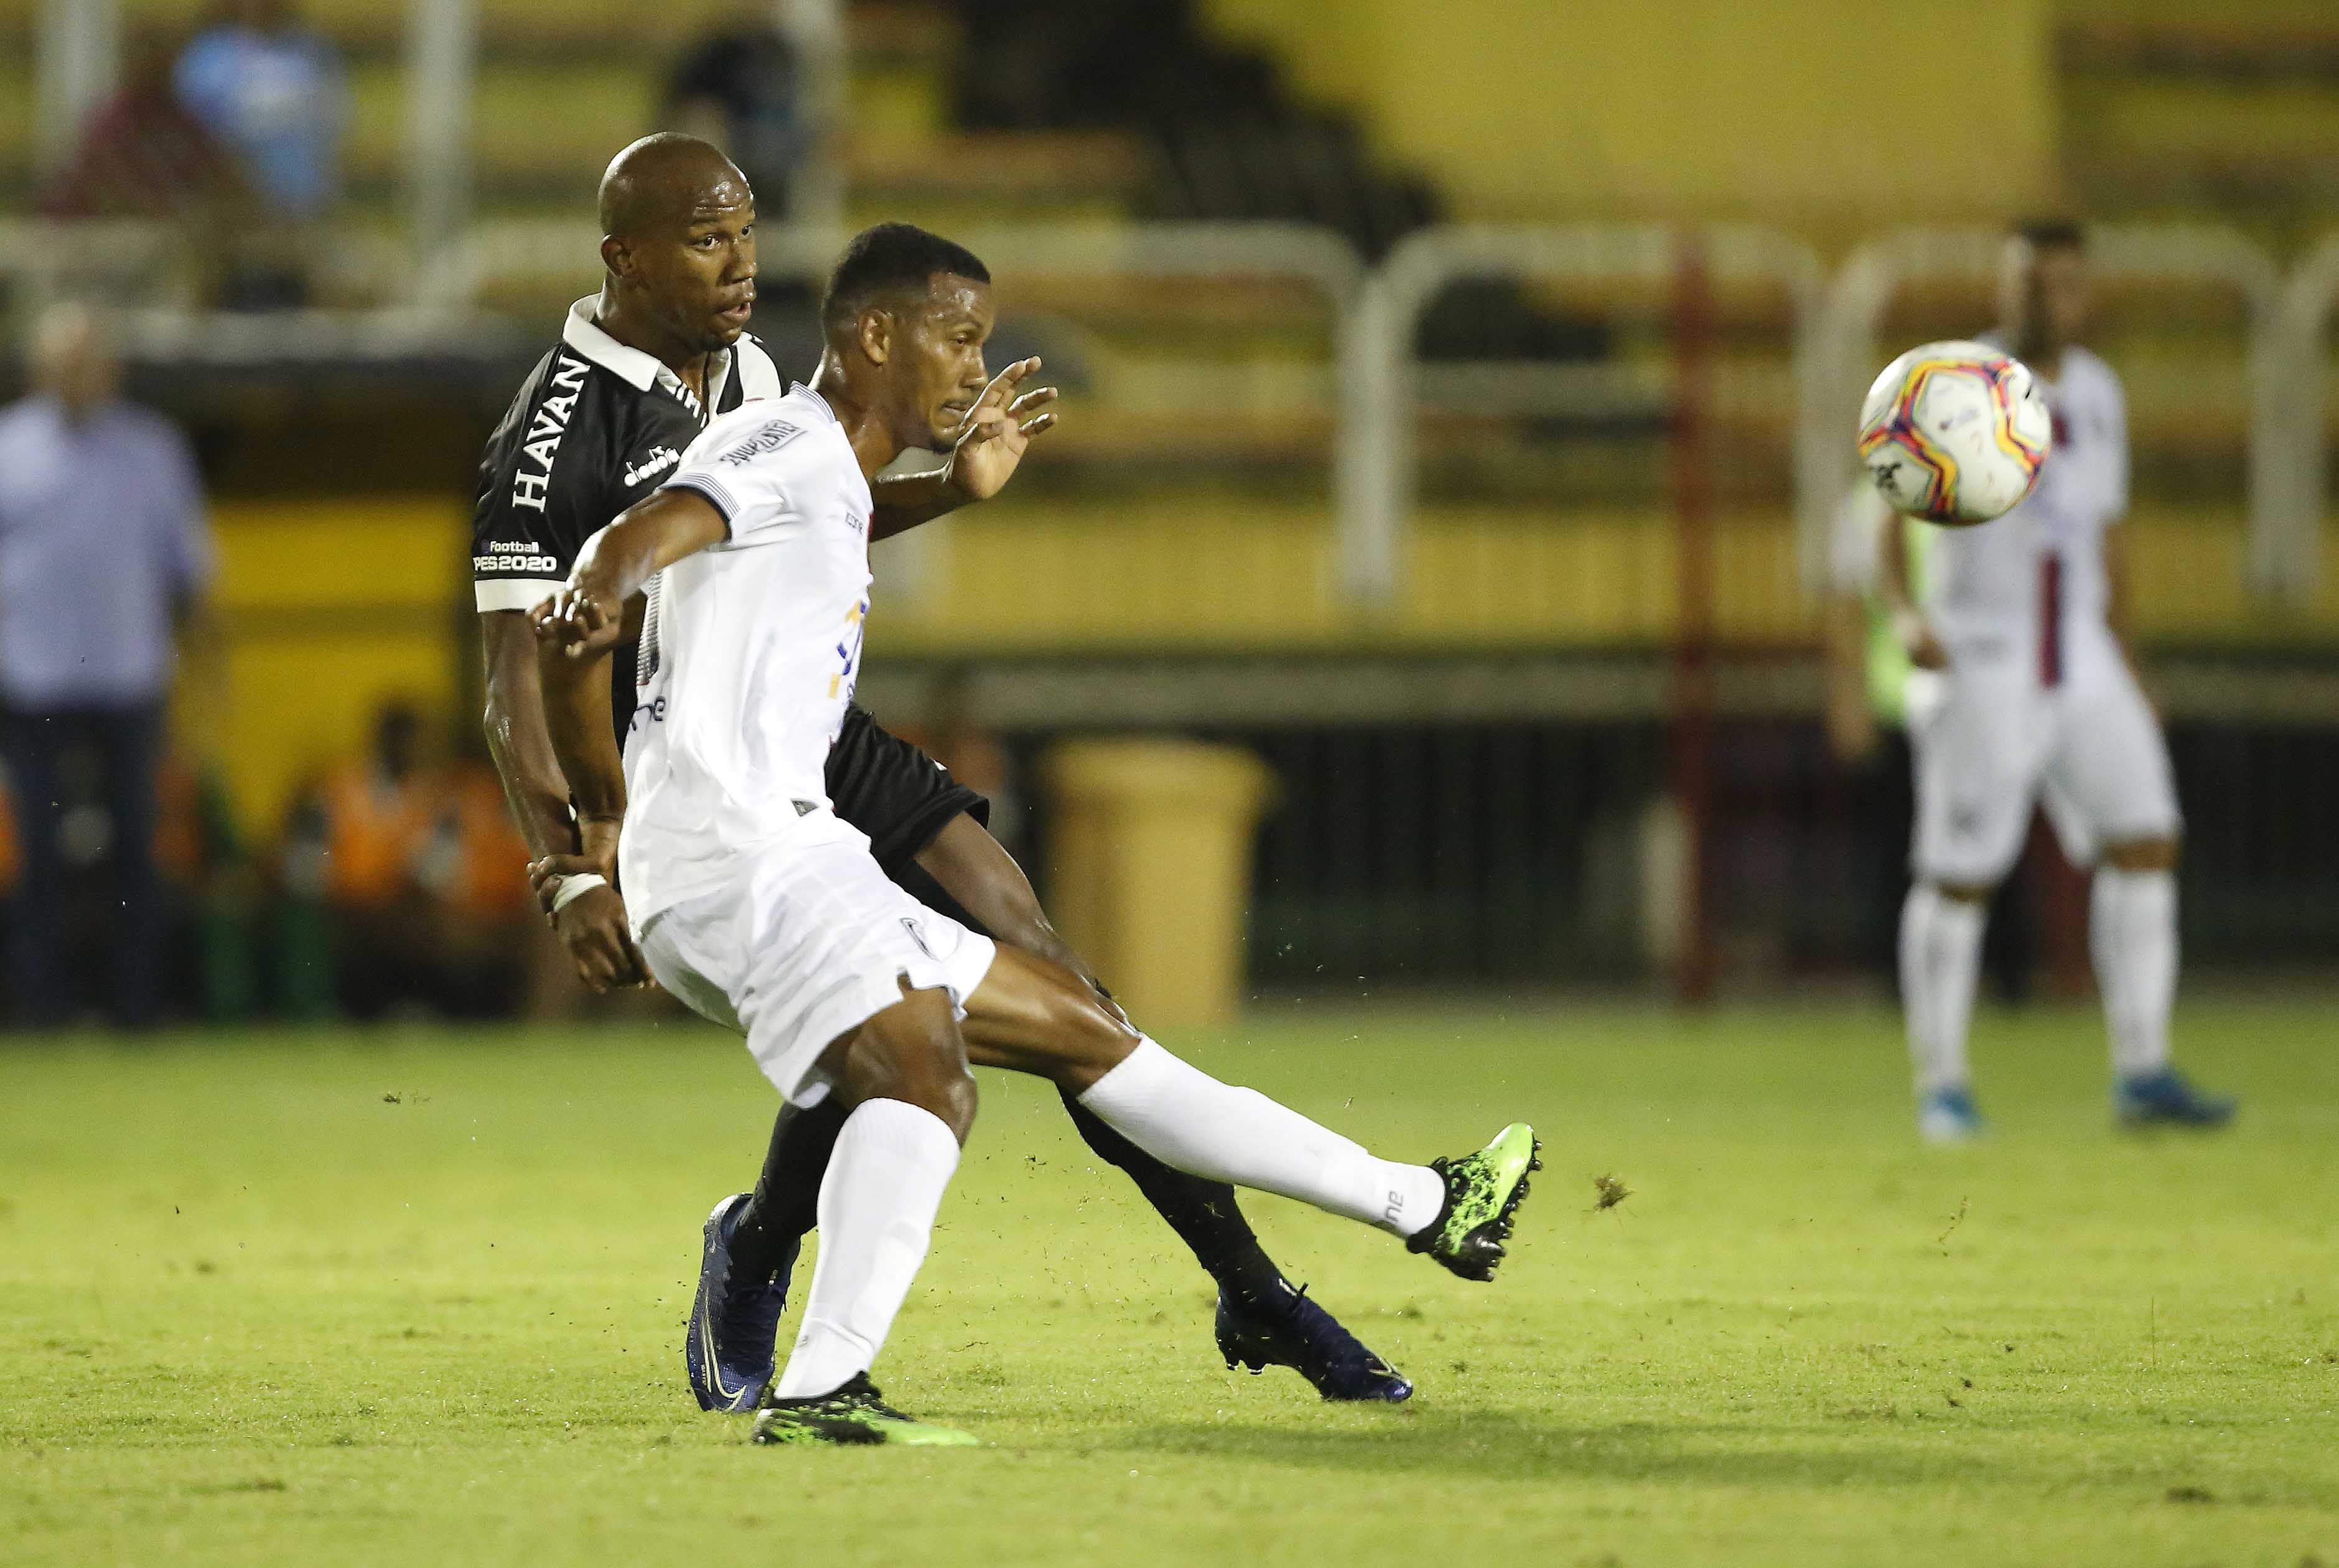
x,y
2308,300
1382,380
2280,553
495,253
1381,383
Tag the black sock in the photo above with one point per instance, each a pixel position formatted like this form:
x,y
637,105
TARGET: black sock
x,y
1202,1213
786,1204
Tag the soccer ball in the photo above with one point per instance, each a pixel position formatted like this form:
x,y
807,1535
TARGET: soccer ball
x,y
1954,433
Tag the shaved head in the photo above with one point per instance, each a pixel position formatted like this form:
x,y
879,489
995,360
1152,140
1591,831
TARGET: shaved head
x,y
659,183
678,238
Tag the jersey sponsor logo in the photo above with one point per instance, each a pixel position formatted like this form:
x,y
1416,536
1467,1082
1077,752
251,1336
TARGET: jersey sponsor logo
x,y
778,433
916,935
544,435
660,460
533,565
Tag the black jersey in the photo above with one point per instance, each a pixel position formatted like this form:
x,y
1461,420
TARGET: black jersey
x,y
595,428
894,791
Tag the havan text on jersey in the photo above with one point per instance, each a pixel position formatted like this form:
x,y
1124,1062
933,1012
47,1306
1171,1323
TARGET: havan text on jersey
x,y
544,435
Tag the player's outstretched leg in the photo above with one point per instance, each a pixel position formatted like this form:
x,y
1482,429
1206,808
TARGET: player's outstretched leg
x,y
748,1256
2132,931
904,1073
1037,1017
1940,967
1262,1320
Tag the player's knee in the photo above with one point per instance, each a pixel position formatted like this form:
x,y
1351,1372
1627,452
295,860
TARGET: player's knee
x,y
911,1052
1094,1039
2143,855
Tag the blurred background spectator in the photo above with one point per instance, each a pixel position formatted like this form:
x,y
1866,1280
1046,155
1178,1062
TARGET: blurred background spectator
x,y
105,556
143,154
270,91
406,889
741,86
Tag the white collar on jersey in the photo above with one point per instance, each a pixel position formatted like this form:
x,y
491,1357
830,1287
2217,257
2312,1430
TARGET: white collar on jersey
x,y
637,370
818,401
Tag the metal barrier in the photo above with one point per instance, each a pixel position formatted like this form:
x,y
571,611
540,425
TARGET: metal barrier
x,y
493,253
2308,300
1865,285
1375,476
43,261
1380,384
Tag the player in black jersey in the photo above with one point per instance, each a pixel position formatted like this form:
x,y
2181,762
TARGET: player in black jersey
x,y
638,371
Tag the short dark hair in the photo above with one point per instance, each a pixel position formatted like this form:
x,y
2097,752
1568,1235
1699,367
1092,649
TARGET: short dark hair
x,y
2051,233
892,258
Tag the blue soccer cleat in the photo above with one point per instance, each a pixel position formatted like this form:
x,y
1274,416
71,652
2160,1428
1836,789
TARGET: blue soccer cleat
x,y
1947,1116
734,1324
1293,1331
2165,1098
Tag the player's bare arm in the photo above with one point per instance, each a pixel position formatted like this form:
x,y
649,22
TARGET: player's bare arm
x,y
588,916
991,441
1916,632
517,740
576,629
580,889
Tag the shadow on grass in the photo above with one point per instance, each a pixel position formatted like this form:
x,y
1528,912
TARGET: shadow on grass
x,y
1511,1445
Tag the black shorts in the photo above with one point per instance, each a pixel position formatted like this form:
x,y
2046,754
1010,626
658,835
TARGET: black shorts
x,y
894,791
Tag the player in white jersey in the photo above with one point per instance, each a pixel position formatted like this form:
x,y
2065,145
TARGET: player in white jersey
x,y
2024,690
757,906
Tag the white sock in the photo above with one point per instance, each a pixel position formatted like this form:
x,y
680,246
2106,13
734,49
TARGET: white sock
x,y
1941,964
2132,932
1183,1117
877,1204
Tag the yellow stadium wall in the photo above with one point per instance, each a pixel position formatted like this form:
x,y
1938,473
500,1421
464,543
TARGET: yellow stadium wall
x,y
331,608
328,610
1792,110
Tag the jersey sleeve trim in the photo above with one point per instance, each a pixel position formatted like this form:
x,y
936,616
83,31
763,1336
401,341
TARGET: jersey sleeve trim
x,y
710,486
516,593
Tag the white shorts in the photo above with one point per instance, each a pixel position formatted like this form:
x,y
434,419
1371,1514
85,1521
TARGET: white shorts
x,y
1990,741
810,939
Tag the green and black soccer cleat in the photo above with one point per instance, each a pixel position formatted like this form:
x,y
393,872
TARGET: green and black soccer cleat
x,y
855,1412
1482,1190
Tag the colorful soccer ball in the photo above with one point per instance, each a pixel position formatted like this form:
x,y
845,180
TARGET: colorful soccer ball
x,y
1954,433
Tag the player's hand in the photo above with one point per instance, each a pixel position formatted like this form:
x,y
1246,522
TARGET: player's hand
x,y
592,926
996,431
1920,641
579,620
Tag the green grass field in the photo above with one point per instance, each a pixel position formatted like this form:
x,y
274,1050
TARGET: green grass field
x,y
416,1297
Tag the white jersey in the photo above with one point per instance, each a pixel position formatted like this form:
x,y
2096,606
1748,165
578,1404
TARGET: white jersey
x,y
2036,576
749,652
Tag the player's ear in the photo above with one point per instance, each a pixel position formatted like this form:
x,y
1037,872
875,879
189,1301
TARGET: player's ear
x,y
874,329
614,255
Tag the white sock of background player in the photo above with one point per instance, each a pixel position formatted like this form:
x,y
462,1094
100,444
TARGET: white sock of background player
x,y
877,1203
1183,1117
1941,965
2132,932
